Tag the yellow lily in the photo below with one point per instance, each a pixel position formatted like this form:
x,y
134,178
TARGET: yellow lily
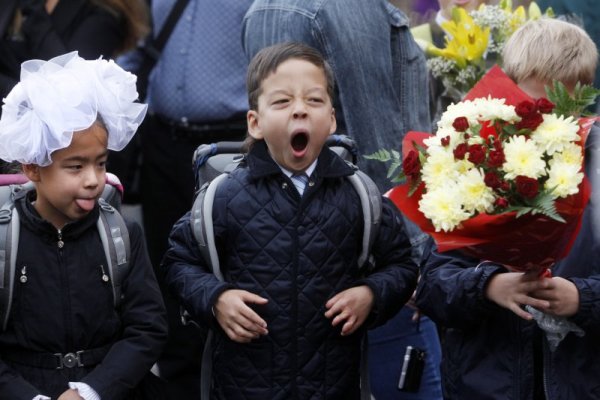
x,y
466,42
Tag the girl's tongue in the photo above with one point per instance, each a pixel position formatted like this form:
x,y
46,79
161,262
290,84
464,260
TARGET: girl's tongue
x,y
86,204
299,143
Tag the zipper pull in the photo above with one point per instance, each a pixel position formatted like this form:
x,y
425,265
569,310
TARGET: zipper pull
x,y
60,243
105,277
23,278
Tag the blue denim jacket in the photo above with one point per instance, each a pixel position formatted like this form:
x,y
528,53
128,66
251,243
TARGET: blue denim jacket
x,y
381,88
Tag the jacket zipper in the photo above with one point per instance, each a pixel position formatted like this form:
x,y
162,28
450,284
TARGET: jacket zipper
x,y
65,284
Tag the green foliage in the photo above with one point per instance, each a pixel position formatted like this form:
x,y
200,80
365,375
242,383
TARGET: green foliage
x,y
575,105
541,204
395,173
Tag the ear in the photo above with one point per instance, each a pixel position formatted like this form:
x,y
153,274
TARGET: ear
x,y
253,125
32,172
333,127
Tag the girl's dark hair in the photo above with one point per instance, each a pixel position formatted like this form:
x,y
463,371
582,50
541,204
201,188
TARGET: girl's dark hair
x,y
267,60
134,15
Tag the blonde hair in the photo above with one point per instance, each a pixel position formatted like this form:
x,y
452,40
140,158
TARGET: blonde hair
x,y
549,49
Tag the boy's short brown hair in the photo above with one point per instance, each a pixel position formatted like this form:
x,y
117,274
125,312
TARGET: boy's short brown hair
x,y
550,49
266,61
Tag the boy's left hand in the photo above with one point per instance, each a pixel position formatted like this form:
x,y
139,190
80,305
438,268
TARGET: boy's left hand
x,y
562,296
352,306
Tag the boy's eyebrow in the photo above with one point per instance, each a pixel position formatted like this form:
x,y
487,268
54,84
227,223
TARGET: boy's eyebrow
x,y
284,91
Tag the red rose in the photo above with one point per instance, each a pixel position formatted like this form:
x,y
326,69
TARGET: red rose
x,y
504,186
527,187
544,105
460,151
445,141
525,108
411,164
501,202
496,158
530,122
492,180
476,153
461,124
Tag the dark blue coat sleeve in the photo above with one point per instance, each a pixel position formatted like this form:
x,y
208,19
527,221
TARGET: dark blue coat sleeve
x,y
188,276
144,334
451,290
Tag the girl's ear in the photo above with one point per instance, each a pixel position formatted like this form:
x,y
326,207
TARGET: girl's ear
x,y
253,126
32,172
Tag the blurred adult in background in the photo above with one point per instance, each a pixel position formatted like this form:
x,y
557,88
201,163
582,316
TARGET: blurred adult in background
x,y
38,29
381,93
196,95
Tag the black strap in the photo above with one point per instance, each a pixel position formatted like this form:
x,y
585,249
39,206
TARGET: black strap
x,y
83,358
153,46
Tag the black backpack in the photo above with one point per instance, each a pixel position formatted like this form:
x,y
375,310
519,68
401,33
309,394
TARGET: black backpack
x,y
212,163
111,227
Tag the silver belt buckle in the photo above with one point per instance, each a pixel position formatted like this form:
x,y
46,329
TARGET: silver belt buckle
x,y
69,360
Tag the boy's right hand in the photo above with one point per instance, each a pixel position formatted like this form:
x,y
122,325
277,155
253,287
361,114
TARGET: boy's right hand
x,y
512,290
238,320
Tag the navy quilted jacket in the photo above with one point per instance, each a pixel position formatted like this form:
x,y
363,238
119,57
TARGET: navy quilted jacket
x,y
297,252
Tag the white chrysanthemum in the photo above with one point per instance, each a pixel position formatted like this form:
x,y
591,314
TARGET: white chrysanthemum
x,y
476,195
571,154
438,168
523,157
443,207
481,109
555,132
564,179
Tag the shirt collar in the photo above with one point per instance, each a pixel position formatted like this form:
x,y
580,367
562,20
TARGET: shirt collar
x,y
308,171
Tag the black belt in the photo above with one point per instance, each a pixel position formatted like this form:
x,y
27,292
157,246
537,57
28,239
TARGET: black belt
x,y
217,131
82,358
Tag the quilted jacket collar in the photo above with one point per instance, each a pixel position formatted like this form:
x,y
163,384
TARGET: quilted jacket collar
x,y
330,165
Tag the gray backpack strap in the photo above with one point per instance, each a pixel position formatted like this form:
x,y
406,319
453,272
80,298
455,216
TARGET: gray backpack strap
x,y
202,228
370,200
117,248
202,224
9,244
371,203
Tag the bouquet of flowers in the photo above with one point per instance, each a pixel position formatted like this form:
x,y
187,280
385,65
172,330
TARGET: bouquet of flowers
x,y
472,41
502,178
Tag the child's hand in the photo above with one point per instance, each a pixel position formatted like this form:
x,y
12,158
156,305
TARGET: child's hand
x,y
70,394
562,295
351,306
514,289
238,320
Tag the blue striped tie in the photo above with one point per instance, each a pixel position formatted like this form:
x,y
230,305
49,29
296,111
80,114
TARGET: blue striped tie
x,y
300,181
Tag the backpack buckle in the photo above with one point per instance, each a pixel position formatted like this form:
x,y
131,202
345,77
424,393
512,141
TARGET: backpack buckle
x,y
105,205
5,215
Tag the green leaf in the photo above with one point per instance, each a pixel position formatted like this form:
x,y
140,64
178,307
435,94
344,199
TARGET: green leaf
x,y
382,155
571,105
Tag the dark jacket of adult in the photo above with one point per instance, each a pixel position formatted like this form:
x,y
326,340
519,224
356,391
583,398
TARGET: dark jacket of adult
x,y
61,304
488,350
297,252
73,25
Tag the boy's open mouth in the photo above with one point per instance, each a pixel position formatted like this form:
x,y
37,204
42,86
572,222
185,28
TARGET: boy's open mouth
x,y
299,143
